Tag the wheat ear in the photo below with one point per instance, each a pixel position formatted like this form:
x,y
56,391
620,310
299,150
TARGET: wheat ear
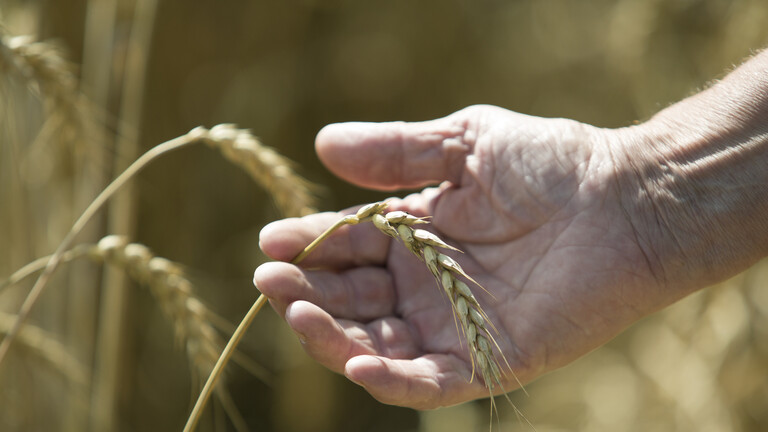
x,y
447,272
194,323
475,325
293,194
46,71
173,292
41,65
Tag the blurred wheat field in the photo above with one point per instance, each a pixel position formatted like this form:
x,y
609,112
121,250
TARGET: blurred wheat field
x,y
153,70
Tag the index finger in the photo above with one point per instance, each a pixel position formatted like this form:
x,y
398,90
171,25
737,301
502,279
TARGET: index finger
x,y
349,246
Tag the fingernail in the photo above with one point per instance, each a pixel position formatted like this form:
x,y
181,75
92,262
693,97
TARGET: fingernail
x,y
348,373
358,382
302,339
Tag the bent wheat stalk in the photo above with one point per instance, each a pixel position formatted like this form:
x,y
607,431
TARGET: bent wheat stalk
x,y
54,261
220,137
194,323
448,274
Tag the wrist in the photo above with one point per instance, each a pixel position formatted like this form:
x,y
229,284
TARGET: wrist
x,y
694,183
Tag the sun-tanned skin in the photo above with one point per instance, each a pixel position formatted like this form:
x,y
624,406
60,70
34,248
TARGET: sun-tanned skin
x,y
576,231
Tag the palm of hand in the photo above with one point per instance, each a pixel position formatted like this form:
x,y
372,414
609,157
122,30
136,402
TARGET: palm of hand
x,y
542,232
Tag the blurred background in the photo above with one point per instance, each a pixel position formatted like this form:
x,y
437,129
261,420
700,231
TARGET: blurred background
x,y
154,69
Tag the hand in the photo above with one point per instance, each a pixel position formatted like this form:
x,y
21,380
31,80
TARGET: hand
x,y
575,231
532,202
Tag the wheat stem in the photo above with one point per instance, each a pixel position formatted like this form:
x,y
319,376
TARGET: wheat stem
x,y
86,216
213,378
303,254
194,323
35,266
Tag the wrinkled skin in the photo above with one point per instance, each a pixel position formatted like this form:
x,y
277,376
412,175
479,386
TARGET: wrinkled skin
x,y
575,231
537,207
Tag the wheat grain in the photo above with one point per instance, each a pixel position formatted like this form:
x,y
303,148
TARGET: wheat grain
x,y
292,193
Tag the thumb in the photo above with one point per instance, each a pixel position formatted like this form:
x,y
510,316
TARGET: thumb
x,y
396,155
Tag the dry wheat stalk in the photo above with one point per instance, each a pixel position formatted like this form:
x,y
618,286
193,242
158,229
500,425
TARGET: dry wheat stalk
x,y
225,138
292,194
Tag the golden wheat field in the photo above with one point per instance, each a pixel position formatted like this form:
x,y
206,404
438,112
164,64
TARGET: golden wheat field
x,y
126,331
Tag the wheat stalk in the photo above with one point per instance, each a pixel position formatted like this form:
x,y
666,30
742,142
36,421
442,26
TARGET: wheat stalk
x,y
194,323
223,137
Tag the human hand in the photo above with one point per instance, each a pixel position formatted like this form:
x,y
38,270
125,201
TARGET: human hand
x,y
534,204
575,231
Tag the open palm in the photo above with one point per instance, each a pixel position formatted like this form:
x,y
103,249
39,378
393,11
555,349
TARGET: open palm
x,y
534,204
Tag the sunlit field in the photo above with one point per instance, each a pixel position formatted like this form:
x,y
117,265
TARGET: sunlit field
x,y
127,329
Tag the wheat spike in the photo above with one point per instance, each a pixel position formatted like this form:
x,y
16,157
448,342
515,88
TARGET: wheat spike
x,y
475,325
173,292
292,193
194,324
45,71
